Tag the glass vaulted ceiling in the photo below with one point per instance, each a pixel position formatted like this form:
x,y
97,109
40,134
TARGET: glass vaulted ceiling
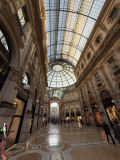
x,y
68,26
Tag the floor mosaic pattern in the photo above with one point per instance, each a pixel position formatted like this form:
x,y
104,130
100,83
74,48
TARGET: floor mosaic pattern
x,y
65,142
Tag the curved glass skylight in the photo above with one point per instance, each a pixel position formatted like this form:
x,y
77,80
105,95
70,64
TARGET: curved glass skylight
x,y
60,75
3,40
56,93
68,26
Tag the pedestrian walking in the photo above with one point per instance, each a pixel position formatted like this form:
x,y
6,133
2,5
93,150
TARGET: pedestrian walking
x,y
107,132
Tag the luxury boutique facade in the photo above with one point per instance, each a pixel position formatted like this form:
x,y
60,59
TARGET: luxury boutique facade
x,y
63,52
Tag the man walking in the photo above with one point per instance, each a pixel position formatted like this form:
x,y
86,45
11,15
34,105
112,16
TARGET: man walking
x,y
107,132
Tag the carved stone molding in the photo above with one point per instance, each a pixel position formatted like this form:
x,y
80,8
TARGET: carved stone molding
x,y
15,76
103,27
109,20
98,44
30,67
24,63
31,95
91,46
107,80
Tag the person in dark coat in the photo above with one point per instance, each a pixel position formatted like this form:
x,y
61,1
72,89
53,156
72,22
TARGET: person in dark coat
x,y
107,132
81,121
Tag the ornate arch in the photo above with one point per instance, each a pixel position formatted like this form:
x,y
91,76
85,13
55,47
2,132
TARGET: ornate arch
x,y
15,60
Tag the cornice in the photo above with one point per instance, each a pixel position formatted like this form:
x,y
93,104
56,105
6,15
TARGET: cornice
x,y
37,28
112,37
97,24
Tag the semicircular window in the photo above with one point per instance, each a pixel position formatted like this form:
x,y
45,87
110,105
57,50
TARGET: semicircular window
x,y
5,57
3,40
25,79
60,74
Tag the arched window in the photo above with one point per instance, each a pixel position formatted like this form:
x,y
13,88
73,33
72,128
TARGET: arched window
x,y
3,40
5,56
25,79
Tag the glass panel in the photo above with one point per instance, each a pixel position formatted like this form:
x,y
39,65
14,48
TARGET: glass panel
x,y
25,79
68,27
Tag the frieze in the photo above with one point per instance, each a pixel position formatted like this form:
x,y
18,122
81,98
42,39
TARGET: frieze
x,y
103,27
110,20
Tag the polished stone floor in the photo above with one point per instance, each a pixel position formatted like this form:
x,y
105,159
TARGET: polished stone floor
x,y
65,142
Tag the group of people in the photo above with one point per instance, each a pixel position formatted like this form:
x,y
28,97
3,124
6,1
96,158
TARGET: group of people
x,y
116,129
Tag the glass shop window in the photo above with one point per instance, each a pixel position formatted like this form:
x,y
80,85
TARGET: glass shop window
x,y
23,17
97,78
25,79
112,62
114,13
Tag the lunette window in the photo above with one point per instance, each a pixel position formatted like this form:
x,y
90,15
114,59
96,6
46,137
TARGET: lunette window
x,y
25,79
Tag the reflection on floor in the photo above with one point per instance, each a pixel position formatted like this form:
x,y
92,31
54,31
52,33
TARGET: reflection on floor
x,y
65,142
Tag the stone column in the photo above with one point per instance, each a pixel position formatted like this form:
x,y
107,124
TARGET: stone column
x,y
91,116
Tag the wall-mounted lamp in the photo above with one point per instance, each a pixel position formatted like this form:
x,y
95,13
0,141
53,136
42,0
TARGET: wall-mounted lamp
x,y
96,106
37,101
26,87
113,101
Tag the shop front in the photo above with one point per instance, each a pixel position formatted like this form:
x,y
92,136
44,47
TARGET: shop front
x,y
17,120
96,112
67,115
86,113
110,107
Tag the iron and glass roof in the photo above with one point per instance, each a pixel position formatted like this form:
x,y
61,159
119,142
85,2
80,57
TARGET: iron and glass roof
x,y
68,26
60,75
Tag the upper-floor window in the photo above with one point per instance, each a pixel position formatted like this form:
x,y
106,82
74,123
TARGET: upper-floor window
x,y
97,78
98,39
23,17
81,92
82,66
112,62
88,55
25,79
88,88
114,13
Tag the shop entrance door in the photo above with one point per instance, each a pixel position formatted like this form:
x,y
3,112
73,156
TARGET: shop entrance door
x,y
110,107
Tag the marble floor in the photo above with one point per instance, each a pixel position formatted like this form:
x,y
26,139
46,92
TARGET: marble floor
x,y
65,142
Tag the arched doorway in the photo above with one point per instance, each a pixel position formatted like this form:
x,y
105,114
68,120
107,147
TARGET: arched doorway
x,y
5,56
110,107
54,110
86,113
95,112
